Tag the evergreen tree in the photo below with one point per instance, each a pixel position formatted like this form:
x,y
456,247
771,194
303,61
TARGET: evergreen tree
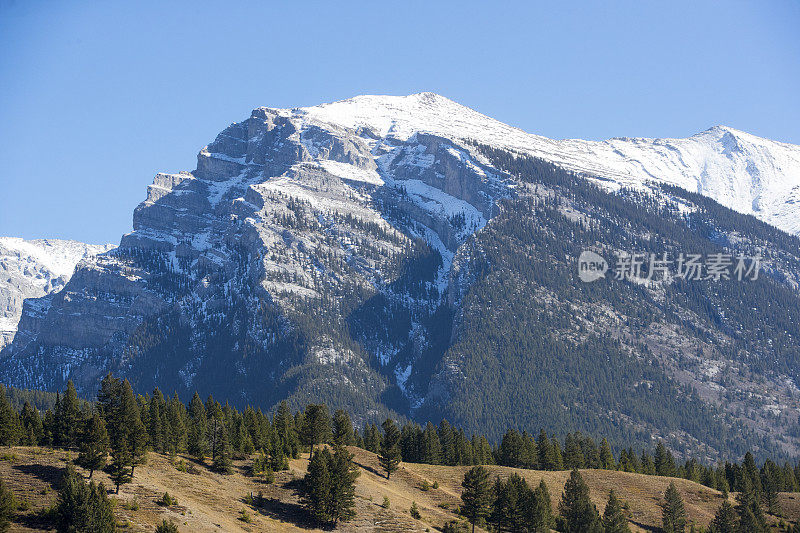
x,y
648,465
343,474
222,460
216,425
32,430
93,444
7,506
389,456
771,484
9,425
342,429
725,521
316,427
166,527
132,430
68,418
614,520
109,399
606,456
750,474
121,465
285,430
673,514
751,517
664,462
176,425
541,510
546,460
431,447
317,486
72,509
573,454
101,512
579,513
83,508
477,495
197,442
156,421
448,443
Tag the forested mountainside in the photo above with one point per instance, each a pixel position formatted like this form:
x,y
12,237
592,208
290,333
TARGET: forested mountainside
x,y
349,255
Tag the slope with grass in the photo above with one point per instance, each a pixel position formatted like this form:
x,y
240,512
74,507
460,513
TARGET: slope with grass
x,y
210,502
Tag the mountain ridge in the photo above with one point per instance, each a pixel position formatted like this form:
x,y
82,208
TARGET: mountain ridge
x,y
351,252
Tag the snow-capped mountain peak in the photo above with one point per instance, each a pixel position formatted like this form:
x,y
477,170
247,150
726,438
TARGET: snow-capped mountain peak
x,y
747,173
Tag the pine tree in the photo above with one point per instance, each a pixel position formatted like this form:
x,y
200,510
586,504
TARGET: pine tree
x,y
343,474
606,456
448,443
197,443
121,465
176,424
222,460
93,444
156,421
573,454
771,484
541,510
7,506
389,456
101,512
342,429
750,472
673,514
546,459
32,430
81,507
432,448
614,520
664,462
285,430
751,517
317,486
316,427
72,509
725,521
580,515
108,403
68,418
477,495
9,425
132,430
166,527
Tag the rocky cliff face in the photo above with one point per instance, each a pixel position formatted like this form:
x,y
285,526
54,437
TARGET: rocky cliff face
x,y
34,270
292,230
327,253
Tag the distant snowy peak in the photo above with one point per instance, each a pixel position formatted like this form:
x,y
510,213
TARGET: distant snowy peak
x,y
33,269
57,256
747,173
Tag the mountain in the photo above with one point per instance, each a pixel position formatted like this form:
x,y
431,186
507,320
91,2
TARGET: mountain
x,y
35,269
408,255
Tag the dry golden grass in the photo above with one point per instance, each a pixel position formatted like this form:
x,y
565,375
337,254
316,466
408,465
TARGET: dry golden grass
x,y
210,502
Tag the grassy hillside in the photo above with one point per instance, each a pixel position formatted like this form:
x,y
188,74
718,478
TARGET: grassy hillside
x,y
208,502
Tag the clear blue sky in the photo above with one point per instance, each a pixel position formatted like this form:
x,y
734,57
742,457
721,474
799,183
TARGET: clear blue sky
x,y
96,97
